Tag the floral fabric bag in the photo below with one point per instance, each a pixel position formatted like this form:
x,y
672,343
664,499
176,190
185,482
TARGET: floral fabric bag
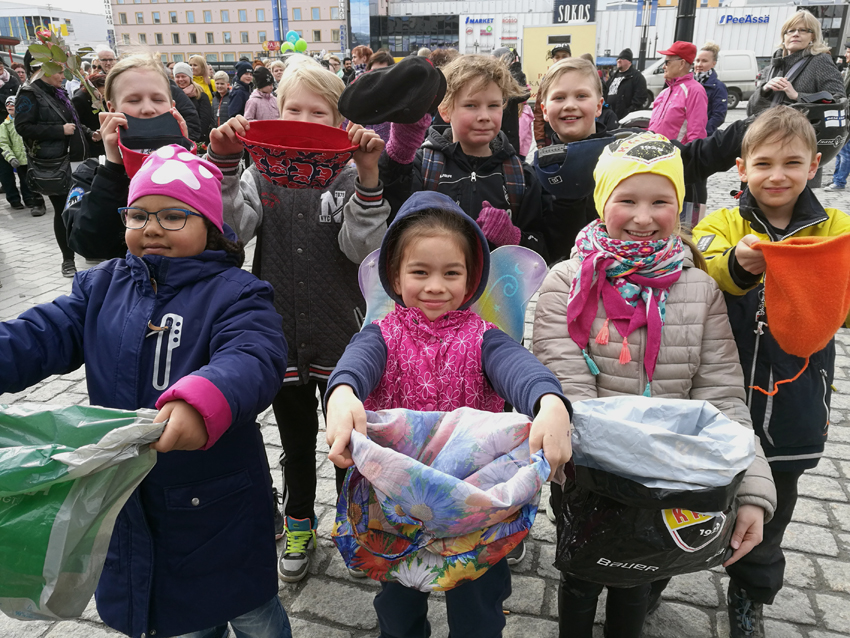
x,y
436,498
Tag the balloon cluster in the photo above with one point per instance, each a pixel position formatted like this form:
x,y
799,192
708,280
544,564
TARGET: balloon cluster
x,y
294,42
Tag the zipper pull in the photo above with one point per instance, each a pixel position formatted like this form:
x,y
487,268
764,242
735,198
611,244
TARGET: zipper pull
x,y
760,328
473,177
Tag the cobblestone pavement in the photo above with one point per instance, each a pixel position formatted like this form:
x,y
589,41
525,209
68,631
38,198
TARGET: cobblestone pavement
x,y
330,604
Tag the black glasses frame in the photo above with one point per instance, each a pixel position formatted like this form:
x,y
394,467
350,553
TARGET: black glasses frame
x,y
124,211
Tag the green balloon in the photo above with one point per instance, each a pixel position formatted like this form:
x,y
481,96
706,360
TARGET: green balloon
x,y
287,46
301,45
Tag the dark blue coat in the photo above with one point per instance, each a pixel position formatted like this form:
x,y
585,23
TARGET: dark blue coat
x,y
239,95
175,564
717,95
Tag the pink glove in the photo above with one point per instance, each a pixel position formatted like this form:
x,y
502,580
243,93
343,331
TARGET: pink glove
x,y
405,139
497,226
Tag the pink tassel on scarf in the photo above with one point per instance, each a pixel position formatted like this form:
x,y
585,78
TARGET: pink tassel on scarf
x,y
602,337
625,355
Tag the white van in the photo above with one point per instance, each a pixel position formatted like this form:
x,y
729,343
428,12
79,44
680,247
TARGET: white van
x,y
736,69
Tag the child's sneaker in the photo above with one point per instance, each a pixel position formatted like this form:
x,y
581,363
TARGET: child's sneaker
x,y
745,615
299,535
278,517
516,555
834,187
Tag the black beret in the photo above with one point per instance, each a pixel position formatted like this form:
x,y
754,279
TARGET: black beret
x,y
401,93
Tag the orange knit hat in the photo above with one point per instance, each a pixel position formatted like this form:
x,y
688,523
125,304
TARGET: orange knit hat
x,y
806,292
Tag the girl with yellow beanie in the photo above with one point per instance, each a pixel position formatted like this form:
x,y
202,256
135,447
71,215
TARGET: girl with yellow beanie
x,y
633,313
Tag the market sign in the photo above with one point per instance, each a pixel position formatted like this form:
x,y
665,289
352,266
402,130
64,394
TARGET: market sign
x,y
574,11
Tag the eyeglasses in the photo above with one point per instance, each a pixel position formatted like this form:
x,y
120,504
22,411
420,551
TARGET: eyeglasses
x,y
798,30
168,218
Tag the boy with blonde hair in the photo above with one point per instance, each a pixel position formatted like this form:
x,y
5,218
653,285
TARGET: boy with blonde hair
x,y
778,156
310,243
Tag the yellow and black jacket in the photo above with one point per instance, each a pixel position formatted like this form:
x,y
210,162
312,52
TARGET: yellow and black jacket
x,y
793,424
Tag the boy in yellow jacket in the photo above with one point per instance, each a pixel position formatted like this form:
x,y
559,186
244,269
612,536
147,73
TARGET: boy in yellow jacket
x,y
778,156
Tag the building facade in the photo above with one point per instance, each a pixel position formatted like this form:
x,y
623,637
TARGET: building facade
x,y
78,29
221,31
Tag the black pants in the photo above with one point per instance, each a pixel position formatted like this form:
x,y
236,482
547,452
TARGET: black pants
x,y
474,608
296,412
13,195
625,609
762,571
59,231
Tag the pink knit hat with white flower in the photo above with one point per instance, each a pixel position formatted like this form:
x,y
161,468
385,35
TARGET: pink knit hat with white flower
x,y
175,172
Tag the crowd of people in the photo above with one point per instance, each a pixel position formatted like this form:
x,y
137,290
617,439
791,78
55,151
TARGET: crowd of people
x,y
443,172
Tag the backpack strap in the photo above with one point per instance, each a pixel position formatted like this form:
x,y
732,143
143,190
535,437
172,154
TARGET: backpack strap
x,y
514,181
433,162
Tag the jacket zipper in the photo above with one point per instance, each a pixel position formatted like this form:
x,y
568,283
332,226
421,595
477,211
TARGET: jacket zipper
x,y
759,331
825,405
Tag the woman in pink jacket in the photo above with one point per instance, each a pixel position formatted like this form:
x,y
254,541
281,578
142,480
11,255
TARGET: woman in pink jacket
x,y
262,105
680,112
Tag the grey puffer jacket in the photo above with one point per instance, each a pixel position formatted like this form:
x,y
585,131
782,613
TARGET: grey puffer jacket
x,y
698,358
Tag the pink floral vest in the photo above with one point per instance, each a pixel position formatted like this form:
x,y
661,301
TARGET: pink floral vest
x,y
433,366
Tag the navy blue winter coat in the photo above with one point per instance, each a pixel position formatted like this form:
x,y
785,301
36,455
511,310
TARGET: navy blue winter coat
x,y
717,95
194,545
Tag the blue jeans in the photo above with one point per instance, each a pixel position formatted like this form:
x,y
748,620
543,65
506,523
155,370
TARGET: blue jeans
x,y
474,608
266,621
842,166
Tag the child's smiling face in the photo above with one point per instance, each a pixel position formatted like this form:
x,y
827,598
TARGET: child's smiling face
x,y
643,207
153,239
303,105
476,118
432,275
571,107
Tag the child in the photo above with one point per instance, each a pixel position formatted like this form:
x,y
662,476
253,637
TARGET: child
x,y
15,160
262,104
571,98
179,326
221,98
660,329
433,353
137,86
472,162
309,246
778,156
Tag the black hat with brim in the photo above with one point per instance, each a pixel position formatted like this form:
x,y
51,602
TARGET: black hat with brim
x,y
402,93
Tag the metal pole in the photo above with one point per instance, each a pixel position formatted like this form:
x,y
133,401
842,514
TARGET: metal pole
x,y
641,65
685,19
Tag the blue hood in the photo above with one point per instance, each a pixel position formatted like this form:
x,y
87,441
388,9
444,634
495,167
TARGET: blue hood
x,y
424,200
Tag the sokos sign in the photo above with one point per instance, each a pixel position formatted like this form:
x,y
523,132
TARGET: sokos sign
x,y
571,11
747,19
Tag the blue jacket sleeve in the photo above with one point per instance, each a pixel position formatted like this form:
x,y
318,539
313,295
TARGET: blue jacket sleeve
x,y
516,374
248,352
44,340
362,364
717,108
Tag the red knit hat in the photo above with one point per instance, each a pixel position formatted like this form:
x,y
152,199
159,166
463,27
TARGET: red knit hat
x,y
806,292
298,154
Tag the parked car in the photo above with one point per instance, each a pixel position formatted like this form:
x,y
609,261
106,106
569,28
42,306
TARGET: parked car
x,y
736,69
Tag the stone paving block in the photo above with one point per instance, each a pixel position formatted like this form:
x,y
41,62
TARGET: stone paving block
x,y
545,566
836,612
337,569
79,629
792,605
49,391
674,620
841,513
338,603
306,629
810,511
271,435
544,529
326,491
821,487
840,401
10,628
839,434
550,601
526,563
810,539
799,570
826,467
838,418
90,612
697,589
826,634
837,574
525,627
526,595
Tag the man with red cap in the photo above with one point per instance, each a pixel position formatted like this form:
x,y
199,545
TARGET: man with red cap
x,y
680,112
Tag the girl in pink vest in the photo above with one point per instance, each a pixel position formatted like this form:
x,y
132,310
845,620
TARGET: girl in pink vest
x,y
434,353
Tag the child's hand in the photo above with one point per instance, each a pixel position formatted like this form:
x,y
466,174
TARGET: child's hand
x,y
550,431
497,226
184,128
345,413
223,140
367,156
748,532
110,123
185,429
750,259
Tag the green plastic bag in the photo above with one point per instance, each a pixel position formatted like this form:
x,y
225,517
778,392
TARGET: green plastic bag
x,y
65,474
